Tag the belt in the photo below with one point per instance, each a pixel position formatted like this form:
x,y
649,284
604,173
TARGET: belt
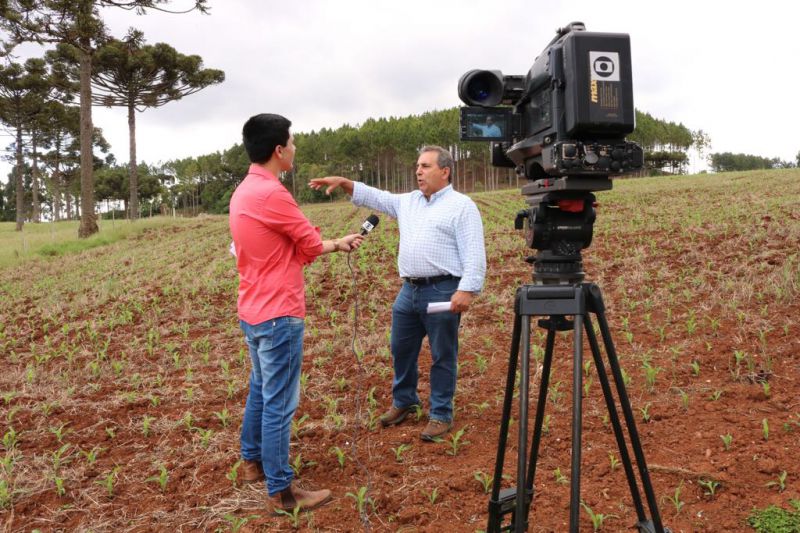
x,y
428,281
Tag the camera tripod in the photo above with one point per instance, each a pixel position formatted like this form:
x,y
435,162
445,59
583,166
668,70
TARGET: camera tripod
x,y
557,302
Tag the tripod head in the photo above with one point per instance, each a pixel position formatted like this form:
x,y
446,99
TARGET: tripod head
x,y
559,224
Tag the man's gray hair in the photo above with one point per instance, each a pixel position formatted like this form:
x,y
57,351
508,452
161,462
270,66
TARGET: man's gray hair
x,y
444,158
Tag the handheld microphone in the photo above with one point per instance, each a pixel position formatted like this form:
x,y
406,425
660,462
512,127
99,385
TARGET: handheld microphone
x,y
369,224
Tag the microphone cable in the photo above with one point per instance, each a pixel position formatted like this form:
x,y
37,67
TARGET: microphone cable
x,y
366,227
358,415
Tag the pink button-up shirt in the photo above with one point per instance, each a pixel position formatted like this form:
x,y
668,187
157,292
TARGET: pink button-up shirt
x,y
273,241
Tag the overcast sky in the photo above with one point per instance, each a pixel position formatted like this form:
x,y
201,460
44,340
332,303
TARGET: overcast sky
x,y
728,68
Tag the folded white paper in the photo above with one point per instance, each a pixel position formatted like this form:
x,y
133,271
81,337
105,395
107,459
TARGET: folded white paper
x,y
438,307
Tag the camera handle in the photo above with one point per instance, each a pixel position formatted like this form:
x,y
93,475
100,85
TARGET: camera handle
x,y
557,302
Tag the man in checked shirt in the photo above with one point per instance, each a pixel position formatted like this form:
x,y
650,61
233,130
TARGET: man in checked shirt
x,y
441,258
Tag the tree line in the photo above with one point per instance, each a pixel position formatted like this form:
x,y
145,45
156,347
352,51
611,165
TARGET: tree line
x,y
380,152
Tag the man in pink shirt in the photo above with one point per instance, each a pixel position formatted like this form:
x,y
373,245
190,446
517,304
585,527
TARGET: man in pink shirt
x,y
273,241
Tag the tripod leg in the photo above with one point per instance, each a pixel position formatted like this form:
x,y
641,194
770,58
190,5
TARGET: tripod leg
x,y
577,390
495,515
597,304
614,418
544,385
521,515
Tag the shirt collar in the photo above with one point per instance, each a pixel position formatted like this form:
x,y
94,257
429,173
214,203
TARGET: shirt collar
x,y
440,192
258,170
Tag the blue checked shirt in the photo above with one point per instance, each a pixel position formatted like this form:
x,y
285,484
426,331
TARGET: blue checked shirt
x,y
443,235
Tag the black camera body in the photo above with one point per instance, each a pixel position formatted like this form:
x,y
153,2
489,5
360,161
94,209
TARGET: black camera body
x,y
563,127
568,116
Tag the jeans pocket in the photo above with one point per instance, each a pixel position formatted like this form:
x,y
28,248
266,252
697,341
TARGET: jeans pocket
x,y
445,288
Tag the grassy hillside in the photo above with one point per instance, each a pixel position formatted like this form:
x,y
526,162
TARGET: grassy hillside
x,y
124,372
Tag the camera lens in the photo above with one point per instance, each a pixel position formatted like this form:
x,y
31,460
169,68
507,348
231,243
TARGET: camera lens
x,y
481,87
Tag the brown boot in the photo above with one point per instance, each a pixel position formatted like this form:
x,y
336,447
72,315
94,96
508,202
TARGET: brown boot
x,y
435,429
294,496
395,415
252,471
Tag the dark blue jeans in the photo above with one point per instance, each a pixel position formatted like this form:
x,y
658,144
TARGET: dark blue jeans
x,y
276,354
410,324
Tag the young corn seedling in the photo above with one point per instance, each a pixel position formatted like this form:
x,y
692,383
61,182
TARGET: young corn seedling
x,y
684,399
6,494
361,500
645,412
233,474
597,518
455,441
432,495
109,481
205,436
613,461
293,516
57,457
223,416
297,424
91,455
727,439
188,421
485,480
147,422
10,439
161,479
340,455
560,478
675,499
481,363
710,486
546,424
480,407
399,451
238,523
780,483
60,432
59,482
765,428
298,464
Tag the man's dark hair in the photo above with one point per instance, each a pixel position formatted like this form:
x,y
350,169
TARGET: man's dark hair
x,y
262,133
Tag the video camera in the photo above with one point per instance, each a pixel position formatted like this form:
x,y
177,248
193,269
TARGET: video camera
x,y
563,127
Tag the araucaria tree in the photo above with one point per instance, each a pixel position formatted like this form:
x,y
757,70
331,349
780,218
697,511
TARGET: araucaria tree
x,y
76,23
129,73
26,93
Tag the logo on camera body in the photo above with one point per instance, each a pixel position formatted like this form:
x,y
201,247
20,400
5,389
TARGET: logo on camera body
x,y
604,66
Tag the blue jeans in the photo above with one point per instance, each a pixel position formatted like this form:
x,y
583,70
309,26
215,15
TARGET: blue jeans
x,y
276,354
410,324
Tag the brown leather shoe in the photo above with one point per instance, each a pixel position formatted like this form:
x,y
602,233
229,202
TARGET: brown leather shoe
x,y
294,496
435,429
395,415
252,471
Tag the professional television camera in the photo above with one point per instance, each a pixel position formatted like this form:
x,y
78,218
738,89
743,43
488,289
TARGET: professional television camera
x,y
563,127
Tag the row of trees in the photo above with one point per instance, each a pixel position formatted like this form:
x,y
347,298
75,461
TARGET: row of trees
x,y
381,152
726,162
35,98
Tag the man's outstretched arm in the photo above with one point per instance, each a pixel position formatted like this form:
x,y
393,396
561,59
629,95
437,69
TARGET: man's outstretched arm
x,y
332,182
